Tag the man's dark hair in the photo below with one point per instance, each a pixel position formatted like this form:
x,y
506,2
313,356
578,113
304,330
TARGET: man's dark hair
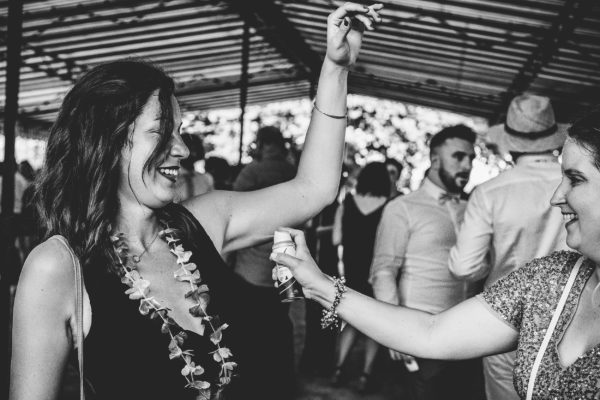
x,y
457,131
395,163
269,135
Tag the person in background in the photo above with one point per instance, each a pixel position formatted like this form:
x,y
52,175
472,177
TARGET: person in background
x,y
16,242
220,170
28,228
410,262
546,310
262,306
21,184
319,346
394,168
193,183
354,230
509,219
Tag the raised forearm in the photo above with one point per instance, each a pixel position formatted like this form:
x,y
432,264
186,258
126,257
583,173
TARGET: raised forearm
x,y
321,161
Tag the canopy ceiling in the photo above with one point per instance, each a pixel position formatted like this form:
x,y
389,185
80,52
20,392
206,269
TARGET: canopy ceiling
x,y
467,56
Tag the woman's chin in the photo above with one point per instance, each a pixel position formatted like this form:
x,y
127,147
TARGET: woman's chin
x,y
159,201
573,243
165,201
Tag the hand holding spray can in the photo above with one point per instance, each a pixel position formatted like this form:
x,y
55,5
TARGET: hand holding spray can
x,y
289,288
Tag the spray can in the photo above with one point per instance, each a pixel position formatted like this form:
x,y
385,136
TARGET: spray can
x,y
289,288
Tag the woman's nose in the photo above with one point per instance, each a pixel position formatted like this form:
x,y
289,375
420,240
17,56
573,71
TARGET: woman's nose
x,y
558,197
178,147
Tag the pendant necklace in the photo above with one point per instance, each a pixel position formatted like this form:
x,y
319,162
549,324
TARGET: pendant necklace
x,y
137,257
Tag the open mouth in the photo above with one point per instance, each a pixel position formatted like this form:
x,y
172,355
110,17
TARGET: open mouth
x,y
569,218
171,173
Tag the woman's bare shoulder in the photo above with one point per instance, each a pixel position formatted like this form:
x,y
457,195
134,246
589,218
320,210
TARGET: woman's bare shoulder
x,y
48,268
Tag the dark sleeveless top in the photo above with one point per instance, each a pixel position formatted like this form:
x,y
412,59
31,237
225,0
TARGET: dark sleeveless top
x,y
358,239
127,356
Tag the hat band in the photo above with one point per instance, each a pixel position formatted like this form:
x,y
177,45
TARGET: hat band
x,y
531,135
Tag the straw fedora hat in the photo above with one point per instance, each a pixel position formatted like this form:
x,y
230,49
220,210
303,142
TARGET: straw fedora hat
x,y
530,127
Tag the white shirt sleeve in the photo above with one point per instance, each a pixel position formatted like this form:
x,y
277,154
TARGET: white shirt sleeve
x,y
390,247
469,258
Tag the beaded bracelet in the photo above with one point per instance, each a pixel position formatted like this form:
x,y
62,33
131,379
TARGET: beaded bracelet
x,y
330,318
328,115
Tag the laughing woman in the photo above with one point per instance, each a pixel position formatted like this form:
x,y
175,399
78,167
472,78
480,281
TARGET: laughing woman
x,y
157,294
549,310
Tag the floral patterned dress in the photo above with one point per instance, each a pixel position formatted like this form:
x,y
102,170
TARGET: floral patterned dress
x,y
526,300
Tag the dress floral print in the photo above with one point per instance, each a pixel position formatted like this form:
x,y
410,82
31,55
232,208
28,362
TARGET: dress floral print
x,y
526,300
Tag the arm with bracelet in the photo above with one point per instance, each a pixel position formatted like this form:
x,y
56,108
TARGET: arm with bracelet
x,y
465,331
252,216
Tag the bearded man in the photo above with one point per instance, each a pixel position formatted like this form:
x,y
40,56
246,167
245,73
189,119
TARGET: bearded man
x,y
410,262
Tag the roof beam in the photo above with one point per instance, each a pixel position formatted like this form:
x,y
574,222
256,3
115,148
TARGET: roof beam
x,y
235,84
56,17
417,93
270,22
557,35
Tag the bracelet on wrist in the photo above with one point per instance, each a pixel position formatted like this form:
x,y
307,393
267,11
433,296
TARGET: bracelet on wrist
x,y
330,319
328,115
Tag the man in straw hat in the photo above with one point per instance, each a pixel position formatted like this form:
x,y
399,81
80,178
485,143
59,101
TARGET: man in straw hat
x,y
509,220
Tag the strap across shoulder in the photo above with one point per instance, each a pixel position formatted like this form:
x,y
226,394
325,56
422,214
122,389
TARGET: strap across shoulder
x,y
86,317
81,303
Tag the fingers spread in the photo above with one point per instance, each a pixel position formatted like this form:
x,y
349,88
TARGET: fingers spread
x,y
348,8
373,12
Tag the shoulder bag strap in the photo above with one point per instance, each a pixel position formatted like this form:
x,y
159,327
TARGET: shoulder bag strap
x,y
551,327
78,311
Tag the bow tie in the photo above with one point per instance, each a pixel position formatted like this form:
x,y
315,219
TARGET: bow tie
x,y
446,197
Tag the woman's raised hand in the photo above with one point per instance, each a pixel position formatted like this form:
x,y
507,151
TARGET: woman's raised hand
x,y
303,267
345,28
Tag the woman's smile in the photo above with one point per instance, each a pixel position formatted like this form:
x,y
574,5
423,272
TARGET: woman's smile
x,y
171,172
569,218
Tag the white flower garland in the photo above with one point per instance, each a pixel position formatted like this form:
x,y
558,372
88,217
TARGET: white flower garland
x,y
139,289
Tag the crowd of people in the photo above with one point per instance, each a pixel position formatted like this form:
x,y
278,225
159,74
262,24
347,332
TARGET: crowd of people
x,y
160,276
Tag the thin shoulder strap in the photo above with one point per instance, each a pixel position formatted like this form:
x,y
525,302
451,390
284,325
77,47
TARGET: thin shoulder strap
x,y
551,327
78,311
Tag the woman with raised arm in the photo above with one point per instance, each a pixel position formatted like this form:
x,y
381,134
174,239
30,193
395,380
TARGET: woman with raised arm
x,y
157,294
549,310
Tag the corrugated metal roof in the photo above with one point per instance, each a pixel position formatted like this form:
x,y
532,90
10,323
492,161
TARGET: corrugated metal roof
x,y
468,56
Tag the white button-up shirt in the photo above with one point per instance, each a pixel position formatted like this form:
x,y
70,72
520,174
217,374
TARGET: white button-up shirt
x,y
509,221
414,238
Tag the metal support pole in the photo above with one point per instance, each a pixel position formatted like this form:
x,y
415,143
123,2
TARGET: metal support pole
x,y
244,84
11,109
7,226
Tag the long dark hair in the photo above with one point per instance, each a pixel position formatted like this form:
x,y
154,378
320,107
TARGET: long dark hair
x,y
76,192
374,179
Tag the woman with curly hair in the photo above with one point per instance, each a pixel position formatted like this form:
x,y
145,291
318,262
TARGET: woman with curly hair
x,y
157,296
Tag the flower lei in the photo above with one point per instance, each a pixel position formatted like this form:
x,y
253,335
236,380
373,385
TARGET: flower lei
x,y
139,289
